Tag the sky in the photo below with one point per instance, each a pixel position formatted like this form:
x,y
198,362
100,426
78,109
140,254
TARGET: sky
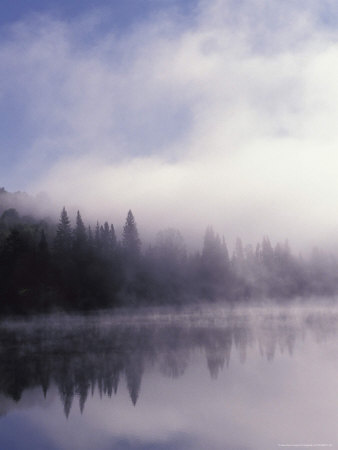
x,y
191,113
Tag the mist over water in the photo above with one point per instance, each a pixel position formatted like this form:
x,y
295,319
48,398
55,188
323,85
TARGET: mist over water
x,y
169,265
210,377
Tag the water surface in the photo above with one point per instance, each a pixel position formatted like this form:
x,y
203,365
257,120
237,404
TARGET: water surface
x,y
205,379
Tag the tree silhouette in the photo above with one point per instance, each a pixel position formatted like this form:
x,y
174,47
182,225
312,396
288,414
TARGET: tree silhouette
x,y
130,238
134,372
63,238
44,265
215,265
80,234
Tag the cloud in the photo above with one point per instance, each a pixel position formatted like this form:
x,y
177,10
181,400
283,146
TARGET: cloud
x,y
228,118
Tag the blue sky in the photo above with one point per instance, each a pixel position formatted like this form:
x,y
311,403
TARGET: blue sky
x,y
121,13
19,131
189,112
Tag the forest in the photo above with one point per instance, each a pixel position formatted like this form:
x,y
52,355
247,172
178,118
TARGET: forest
x,y
47,266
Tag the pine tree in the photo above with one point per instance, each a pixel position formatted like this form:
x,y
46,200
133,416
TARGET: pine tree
x,y
90,236
130,239
63,238
214,264
107,239
267,253
97,237
113,236
80,235
215,254
105,236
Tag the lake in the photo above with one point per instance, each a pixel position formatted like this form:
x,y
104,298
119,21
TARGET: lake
x,y
199,378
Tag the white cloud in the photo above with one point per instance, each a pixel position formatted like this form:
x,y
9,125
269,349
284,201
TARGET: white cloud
x,y
230,120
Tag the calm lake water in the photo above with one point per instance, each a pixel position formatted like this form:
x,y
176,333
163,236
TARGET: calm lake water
x,y
204,379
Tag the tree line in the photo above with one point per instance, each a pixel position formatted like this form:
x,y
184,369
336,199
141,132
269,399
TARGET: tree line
x,y
46,266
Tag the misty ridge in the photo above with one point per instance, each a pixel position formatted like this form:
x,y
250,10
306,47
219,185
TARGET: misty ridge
x,y
47,266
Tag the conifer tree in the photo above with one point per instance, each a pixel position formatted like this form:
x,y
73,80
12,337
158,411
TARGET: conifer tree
x,y
130,238
113,236
97,236
105,235
214,264
90,236
63,238
80,235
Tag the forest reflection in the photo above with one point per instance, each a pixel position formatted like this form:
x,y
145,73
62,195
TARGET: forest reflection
x,y
82,355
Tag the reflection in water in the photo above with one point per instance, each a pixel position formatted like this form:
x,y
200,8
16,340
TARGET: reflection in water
x,y
83,355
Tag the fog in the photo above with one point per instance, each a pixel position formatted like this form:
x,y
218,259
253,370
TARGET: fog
x,y
227,117
207,378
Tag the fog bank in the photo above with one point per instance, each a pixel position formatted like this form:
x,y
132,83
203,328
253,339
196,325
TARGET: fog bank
x,y
228,118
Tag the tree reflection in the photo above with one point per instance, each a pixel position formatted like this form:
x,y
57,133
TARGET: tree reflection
x,y
82,359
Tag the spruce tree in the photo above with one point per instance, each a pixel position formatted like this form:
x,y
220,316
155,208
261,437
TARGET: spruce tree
x,y
214,265
80,235
130,239
63,238
113,236
97,236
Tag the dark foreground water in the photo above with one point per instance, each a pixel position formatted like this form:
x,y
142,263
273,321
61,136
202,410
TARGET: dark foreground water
x,y
208,379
